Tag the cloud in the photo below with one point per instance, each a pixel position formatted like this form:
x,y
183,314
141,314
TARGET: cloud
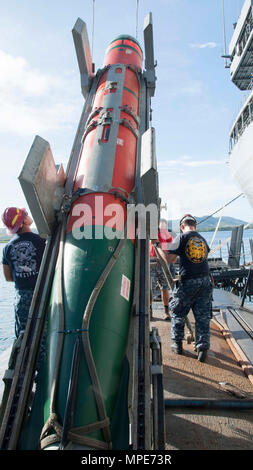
x,y
16,73
27,119
186,161
32,101
210,45
184,87
194,87
198,197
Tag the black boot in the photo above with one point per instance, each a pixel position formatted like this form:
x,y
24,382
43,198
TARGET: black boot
x,y
151,314
202,355
177,347
166,311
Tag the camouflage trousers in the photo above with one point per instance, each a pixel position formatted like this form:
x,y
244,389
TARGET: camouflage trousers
x,y
23,299
22,304
195,294
157,276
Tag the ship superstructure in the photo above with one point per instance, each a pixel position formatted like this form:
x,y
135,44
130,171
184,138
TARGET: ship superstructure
x,y
241,72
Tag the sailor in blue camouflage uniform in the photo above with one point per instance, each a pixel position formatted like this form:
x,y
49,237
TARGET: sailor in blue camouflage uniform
x,y
194,290
21,260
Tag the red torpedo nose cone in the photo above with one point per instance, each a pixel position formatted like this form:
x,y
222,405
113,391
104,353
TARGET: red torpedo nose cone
x,y
124,50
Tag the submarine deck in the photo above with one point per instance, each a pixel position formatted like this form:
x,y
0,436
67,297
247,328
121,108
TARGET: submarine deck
x,y
220,378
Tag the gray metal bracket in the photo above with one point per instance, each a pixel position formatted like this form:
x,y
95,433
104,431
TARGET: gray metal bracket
x,y
42,184
83,53
149,54
149,174
156,370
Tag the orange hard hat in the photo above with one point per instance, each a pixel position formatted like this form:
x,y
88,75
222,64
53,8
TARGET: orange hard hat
x,y
13,218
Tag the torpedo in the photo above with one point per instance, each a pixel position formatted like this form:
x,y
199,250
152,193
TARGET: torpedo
x,y
91,301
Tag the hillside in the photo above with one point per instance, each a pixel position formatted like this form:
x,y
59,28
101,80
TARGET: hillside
x,y
227,223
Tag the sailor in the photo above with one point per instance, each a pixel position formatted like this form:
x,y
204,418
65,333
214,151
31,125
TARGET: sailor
x,y
156,273
194,290
21,261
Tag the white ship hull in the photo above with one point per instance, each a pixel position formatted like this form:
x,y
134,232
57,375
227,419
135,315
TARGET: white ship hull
x,y
241,162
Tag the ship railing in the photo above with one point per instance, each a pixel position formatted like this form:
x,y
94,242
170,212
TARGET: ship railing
x,y
242,123
242,42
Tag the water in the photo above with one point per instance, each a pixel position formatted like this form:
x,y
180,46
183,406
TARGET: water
x,y
7,292
223,252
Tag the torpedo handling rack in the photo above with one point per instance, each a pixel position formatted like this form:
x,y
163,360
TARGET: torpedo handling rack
x,y
100,384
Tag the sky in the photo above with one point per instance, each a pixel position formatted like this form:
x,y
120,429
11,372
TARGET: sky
x,y
194,105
